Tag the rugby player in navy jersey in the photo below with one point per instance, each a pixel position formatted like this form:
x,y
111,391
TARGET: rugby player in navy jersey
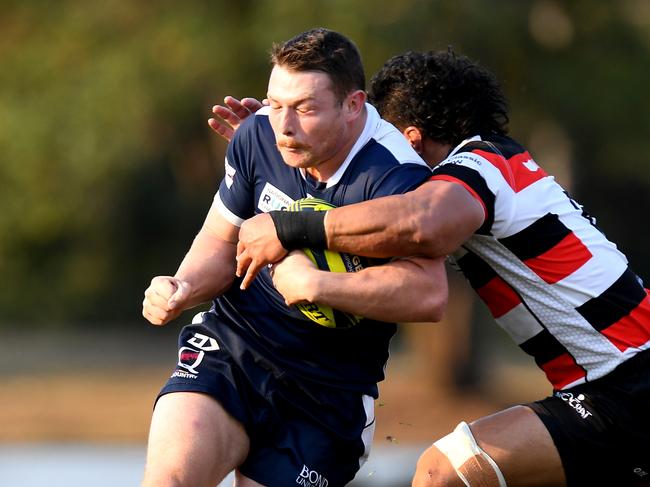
x,y
258,387
549,277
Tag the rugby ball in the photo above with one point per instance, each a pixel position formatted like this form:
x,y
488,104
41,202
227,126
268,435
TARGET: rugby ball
x,y
327,260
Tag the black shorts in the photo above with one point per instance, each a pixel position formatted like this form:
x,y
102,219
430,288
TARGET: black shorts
x,y
602,428
300,434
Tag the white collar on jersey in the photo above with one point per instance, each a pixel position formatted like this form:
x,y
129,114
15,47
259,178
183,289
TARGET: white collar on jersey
x,y
466,141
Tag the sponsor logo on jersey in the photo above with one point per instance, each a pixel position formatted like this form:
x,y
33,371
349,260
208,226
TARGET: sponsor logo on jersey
x,y
273,199
462,158
311,478
575,402
229,174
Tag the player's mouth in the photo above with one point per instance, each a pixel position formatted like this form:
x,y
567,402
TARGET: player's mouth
x,y
292,147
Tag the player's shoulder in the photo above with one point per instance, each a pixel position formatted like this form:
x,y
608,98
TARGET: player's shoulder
x,y
482,153
388,141
399,170
255,128
384,143
377,155
500,145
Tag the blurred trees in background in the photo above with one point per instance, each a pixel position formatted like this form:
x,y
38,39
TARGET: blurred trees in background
x,y
107,165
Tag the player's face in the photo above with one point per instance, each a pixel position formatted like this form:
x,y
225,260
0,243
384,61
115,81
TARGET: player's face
x,y
309,122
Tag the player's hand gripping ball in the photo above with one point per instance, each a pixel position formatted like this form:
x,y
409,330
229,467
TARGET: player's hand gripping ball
x,y
327,260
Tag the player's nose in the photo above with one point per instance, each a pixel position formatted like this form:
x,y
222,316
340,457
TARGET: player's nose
x,y
287,123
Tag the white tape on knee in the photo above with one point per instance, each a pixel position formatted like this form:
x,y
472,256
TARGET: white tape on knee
x,y
459,446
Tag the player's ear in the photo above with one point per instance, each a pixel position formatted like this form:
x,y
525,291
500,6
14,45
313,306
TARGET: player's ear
x,y
354,103
415,138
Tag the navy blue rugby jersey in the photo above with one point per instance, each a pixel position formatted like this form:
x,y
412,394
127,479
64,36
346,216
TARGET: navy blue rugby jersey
x,y
257,180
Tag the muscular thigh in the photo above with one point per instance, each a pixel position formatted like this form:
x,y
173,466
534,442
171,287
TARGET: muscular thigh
x,y
595,433
297,432
194,439
517,440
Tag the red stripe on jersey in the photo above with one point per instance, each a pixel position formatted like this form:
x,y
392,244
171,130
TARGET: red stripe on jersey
x,y
632,330
498,296
561,260
451,179
562,371
520,171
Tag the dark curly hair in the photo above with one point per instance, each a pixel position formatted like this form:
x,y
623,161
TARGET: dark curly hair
x,y
448,97
326,51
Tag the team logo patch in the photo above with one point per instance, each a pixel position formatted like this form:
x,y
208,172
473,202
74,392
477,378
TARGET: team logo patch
x,y
273,199
531,165
189,358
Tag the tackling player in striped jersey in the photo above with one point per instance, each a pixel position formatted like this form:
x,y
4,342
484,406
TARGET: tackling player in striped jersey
x,y
550,278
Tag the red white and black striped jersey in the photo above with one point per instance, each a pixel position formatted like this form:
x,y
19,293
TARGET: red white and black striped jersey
x,y
550,278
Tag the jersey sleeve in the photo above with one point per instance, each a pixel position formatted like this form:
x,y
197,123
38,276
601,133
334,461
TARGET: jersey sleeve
x,y
485,183
397,168
400,179
234,200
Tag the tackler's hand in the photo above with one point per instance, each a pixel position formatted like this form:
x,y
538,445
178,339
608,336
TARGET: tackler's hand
x,y
231,114
258,246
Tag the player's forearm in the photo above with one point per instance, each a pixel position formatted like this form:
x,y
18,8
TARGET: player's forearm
x,y
209,268
401,291
384,227
433,220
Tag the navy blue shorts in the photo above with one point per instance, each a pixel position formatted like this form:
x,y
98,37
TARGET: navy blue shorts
x,y
602,428
300,433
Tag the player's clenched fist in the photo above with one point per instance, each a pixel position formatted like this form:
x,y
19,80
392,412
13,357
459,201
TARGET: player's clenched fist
x,y
294,278
165,299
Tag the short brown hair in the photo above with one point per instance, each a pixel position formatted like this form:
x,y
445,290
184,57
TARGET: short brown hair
x,y
326,51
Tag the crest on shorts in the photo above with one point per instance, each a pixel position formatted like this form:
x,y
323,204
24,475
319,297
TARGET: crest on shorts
x,y
189,358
